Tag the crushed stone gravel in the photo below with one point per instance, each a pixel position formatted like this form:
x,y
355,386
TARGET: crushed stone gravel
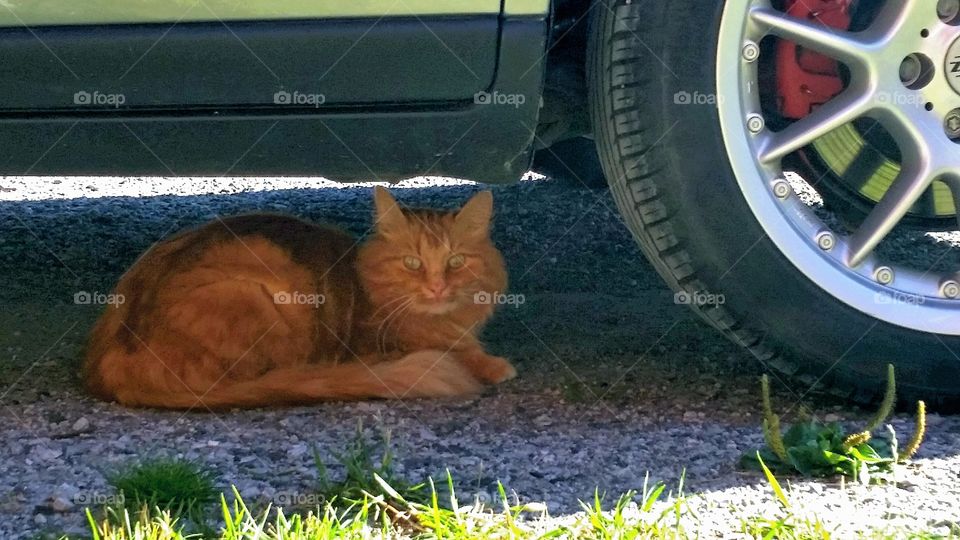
x,y
616,381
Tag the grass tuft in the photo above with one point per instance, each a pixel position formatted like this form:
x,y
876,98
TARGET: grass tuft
x,y
181,489
369,467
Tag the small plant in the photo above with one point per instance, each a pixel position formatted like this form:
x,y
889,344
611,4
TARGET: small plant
x,y
812,448
145,523
180,488
240,523
618,523
785,527
362,470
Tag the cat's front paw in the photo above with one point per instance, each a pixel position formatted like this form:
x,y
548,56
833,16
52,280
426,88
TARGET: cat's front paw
x,y
489,369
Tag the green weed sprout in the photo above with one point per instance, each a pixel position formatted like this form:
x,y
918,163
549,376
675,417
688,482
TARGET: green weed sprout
x,y
918,431
771,422
889,400
813,448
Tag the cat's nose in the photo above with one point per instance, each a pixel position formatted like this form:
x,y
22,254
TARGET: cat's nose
x,y
437,288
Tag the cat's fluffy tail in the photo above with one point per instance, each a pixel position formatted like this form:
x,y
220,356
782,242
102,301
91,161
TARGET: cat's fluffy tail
x,y
428,373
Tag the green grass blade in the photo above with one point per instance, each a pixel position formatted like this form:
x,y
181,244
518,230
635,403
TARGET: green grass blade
x,y
653,498
94,530
388,489
777,490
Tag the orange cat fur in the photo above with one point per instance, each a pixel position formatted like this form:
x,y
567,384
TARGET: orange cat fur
x,y
261,310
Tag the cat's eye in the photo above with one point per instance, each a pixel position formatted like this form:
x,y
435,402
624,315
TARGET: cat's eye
x,y
457,261
412,263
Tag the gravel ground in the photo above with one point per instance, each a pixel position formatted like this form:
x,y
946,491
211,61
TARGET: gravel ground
x,y
615,380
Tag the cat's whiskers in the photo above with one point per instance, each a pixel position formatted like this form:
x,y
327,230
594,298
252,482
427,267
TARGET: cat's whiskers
x,y
388,303
395,304
384,324
383,336
399,318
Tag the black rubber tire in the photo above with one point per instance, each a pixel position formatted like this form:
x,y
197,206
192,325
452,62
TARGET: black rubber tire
x,y
669,173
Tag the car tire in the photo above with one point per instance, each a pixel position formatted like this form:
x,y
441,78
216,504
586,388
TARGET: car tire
x,y
671,177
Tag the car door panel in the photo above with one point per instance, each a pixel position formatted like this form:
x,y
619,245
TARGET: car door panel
x,y
36,13
209,65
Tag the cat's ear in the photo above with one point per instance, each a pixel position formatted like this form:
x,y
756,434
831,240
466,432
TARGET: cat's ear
x,y
388,218
474,218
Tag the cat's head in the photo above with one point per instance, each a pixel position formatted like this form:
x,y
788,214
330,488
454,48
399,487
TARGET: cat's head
x,y
438,261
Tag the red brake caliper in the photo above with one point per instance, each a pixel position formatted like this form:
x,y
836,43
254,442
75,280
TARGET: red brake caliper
x,y
806,79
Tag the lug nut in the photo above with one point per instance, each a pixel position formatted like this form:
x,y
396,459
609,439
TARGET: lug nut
x,y
951,124
782,189
826,240
883,275
916,71
755,123
910,70
950,289
750,51
948,11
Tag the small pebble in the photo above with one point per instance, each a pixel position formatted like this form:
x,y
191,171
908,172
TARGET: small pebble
x,y
61,504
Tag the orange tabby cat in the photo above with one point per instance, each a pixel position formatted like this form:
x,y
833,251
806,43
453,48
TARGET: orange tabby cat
x,y
262,310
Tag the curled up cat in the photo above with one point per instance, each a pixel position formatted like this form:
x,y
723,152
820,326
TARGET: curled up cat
x,y
263,310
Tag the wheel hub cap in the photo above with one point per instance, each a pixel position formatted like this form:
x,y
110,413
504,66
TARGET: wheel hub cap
x,y
952,65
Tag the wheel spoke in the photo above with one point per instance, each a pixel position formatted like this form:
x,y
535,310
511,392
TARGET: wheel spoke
x,y
838,44
833,114
954,185
913,180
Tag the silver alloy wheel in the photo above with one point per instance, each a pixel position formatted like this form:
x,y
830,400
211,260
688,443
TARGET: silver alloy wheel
x,y
905,31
